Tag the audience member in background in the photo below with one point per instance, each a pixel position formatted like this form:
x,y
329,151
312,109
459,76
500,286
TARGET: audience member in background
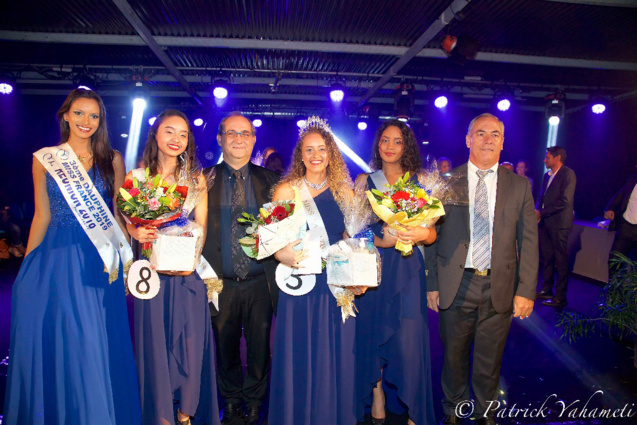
x,y
267,152
508,166
72,357
622,212
275,162
554,211
12,229
444,165
521,168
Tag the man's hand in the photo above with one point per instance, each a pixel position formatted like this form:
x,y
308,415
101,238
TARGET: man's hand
x,y
433,300
609,215
537,214
522,307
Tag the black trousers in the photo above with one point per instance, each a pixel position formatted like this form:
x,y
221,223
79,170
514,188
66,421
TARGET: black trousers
x,y
625,238
243,306
554,258
471,319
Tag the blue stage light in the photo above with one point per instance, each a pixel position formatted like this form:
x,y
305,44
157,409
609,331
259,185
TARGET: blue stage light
x,y
6,88
257,122
504,104
441,102
151,120
362,125
198,122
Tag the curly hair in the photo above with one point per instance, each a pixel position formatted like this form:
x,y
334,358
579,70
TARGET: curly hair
x,y
410,159
151,150
337,173
103,153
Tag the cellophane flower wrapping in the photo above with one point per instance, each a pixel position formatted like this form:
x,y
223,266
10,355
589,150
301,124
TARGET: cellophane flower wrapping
x,y
180,241
356,261
276,225
407,203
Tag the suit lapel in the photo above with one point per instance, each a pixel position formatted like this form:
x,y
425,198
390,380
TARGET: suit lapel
x,y
501,192
261,192
463,188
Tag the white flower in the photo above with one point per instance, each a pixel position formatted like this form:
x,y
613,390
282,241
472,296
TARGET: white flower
x,y
159,192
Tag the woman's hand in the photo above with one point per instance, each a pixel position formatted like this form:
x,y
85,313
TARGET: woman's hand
x,y
142,234
358,290
388,240
413,235
289,257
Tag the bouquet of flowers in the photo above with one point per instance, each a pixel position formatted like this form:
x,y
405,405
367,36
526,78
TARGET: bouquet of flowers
x,y
150,202
407,204
276,225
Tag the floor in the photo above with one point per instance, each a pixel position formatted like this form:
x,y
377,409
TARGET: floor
x,y
539,371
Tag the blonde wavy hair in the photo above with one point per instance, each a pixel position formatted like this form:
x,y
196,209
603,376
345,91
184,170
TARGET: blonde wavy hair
x,y
337,173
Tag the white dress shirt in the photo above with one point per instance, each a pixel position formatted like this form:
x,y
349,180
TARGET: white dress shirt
x,y
630,215
491,181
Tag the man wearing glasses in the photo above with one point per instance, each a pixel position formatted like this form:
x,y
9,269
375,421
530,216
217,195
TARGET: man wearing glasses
x,y
249,293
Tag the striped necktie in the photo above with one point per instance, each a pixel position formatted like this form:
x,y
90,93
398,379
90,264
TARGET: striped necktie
x,y
481,224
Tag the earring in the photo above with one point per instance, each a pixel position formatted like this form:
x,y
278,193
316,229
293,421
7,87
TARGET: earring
x,y
181,157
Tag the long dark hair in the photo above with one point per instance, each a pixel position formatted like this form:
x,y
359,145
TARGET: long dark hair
x,y
100,146
151,150
410,159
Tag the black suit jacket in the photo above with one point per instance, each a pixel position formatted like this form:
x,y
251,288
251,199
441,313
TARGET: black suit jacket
x,y
619,202
514,236
557,212
262,181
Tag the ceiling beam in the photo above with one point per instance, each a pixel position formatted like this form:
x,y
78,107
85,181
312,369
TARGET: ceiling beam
x,y
445,17
144,33
367,49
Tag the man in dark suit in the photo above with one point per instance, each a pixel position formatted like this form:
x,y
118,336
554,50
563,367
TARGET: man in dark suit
x,y
554,211
622,212
481,271
249,294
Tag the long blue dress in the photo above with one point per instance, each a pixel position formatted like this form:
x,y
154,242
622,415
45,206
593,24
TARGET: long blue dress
x,y
175,352
392,333
313,352
71,356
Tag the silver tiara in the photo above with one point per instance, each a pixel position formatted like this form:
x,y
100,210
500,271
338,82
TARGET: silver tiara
x,y
314,122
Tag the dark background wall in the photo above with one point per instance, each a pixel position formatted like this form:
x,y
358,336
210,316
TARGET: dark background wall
x,y
602,149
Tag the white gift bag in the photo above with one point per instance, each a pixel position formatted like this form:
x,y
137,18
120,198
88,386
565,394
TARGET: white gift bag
x,y
352,267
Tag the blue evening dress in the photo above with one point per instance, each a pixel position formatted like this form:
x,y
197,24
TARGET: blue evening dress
x,y
392,333
313,351
174,347
71,359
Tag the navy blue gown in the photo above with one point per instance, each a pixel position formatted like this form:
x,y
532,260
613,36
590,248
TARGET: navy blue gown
x,y
313,352
71,354
392,334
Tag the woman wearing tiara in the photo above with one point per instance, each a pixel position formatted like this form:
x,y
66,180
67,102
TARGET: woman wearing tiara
x,y
313,358
393,366
173,333
71,353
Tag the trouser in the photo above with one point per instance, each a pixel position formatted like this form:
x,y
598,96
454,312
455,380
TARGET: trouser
x,y
554,258
246,306
471,319
625,238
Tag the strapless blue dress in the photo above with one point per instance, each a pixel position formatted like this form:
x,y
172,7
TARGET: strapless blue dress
x,y
312,380
71,357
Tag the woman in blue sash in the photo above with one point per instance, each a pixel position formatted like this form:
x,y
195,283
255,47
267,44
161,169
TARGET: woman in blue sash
x,y
71,354
313,351
173,333
393,370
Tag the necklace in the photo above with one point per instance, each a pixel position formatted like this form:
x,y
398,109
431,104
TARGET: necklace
x,y
83,159
314,185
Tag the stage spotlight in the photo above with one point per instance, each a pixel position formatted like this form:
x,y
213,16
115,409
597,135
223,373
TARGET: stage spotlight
x,y
404,101
441,102
555,109
300,123
362,125
257,122
554,120
337,92
220,90
139,96
151,120
6,85
504,104
124,135
86,82
460,49
198,122
598,105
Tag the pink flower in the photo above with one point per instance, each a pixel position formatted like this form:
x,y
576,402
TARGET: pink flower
x,y
153,204
134,192
421,202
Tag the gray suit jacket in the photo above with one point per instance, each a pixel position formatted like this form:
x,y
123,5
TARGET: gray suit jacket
x,y
514,249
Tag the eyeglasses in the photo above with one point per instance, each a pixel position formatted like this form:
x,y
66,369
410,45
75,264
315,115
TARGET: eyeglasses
x,y
231,134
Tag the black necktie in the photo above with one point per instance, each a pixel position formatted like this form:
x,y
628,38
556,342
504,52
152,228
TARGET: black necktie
x,y
240,261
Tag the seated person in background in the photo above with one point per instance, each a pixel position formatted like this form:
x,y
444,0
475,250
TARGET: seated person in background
x,y
521,168
444,165
508,166
12,229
